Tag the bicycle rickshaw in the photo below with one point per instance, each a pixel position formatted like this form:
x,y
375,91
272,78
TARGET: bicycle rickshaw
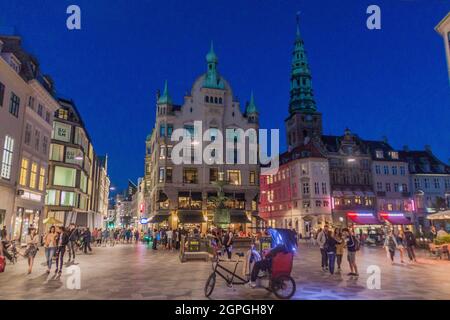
x,y
278,278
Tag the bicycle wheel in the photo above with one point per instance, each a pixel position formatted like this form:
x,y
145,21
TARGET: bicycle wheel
x,y
210,283
284,287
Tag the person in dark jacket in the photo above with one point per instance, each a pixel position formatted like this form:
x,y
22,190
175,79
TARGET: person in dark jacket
x,y
410,241
330,246
87,240
62,241
73,238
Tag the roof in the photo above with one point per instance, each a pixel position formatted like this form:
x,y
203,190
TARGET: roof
x,y
301,152
424,162
446,19
374,146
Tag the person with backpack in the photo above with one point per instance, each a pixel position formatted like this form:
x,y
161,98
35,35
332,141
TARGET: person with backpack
x,y
410,241
390,244
228,242
352,245
322,241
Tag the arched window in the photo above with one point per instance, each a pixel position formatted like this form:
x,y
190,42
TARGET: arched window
x,y
206,99
216,100
220,100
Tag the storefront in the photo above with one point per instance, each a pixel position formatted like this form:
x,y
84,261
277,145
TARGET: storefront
x,y
24,219
397,221
367,227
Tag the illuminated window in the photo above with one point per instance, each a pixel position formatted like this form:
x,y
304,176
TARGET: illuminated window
x,y
52,197
190,175
65,177
63,114
33,175
8,149
67,198
61,131
41,179
234,177
379,154
24,172
56,152
252,177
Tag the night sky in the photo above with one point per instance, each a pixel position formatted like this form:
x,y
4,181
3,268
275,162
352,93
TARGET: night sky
x,y
391,82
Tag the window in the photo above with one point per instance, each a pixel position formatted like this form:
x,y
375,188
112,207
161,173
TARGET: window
x,y
63,114
396,187
74,156
379,186
404,187
386,170
394,170
27,139
33,175
306,188
56,152
189,175
14,105
437,184
394,155
23,172
377,169
234,177
8,149
41,179
402,171
40,110
169,130
169,152
61,131
81,139
324,188
47,117
67,198
426,183
168,175
252,178
326,203
161,174
388,187
2,93
316,188
65,177
162,152
306,204
416,183
83,182
37,139
162,130
31,102
318,203
45,145
213,175
379,154
51,197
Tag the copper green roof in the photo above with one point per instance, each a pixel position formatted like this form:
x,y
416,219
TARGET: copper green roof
x,y
212,77
165,97
251,107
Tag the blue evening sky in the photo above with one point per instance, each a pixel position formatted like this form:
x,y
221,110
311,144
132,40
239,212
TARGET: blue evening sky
x,y
391,82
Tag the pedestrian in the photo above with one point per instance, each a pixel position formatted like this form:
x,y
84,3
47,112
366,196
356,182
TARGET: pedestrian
x,y
339,249
105,236
50,245
400,238
330,247
228,242
111,237
170,238
137,236
390,245
74,236
410,241
62,241
352,245
99,237
433,233
32,241
87,241
4,234
322,240
155,239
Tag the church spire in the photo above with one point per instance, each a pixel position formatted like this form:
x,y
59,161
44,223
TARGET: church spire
x,y
301,92
212,78
165,98
251,107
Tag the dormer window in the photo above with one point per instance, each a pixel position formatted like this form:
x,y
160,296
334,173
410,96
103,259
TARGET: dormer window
x,y
379,154
14,63
394,155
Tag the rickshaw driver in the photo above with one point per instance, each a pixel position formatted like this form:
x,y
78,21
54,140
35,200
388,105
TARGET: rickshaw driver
x,y
266,263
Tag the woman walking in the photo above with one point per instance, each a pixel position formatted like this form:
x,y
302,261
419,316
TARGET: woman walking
x,y
50,247
401,244
62,241
32,247
390,244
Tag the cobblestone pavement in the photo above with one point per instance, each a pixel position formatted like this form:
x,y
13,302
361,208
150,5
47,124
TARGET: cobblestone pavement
x,y
137,272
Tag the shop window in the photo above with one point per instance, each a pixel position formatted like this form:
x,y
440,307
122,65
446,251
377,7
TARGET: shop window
x,y
65,177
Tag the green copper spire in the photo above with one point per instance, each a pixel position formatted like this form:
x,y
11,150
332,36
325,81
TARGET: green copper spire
x,y
165,98
251,107
301,93
212,78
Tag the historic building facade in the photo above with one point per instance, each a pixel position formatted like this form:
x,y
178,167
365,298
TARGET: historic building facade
x,y
180,194
78,184
27,106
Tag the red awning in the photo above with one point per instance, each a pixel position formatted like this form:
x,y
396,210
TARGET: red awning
x,y
363,218
395,218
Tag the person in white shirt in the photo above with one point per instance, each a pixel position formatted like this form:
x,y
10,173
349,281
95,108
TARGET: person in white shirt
x,y
321,240
169,234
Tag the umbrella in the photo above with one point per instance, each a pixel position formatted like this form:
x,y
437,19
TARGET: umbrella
x,y
52,221
443,215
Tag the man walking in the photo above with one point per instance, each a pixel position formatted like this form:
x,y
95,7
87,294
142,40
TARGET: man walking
x,y
410,240
322,237
352,246
169,234
72,244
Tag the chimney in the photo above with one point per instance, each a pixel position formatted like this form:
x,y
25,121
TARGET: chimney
x,y
405,148
428,148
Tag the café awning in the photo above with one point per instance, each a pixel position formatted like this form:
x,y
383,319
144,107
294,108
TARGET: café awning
x,y
442,215
159,217
239,216
363,218
190,216
395,218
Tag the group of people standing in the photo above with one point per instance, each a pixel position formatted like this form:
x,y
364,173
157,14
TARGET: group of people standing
x,y
332,246
166,238
401,241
